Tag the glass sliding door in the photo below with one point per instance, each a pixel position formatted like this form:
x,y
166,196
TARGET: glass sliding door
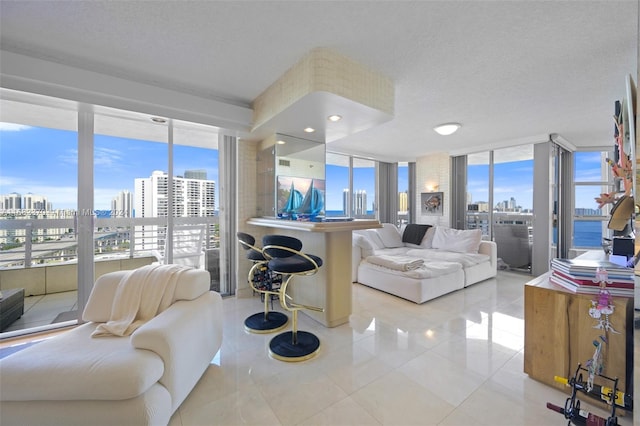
x,y
196,195
130,182
513,205
38,204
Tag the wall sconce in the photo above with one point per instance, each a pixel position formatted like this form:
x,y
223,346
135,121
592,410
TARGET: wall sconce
x,y
431,187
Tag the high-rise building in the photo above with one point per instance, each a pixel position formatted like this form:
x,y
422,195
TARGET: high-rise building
x,y
192,197
122,205
11,201
346,200
403,201
360,202
483,206
36,202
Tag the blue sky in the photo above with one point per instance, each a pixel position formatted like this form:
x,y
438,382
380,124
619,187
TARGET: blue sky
x,y
44,162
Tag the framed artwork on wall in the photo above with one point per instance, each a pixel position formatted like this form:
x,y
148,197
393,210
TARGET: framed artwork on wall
x,y
431,203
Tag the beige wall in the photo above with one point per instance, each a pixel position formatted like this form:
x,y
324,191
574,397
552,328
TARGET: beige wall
x,y
247,208
39,280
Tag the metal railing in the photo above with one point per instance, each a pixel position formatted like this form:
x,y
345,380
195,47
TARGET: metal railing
x,y
28,242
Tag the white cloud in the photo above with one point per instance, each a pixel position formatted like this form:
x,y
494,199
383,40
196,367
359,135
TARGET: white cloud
x,y
107,157
12,127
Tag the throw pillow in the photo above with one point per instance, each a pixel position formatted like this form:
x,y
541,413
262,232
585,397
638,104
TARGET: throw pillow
x,y
457,240
414,233
390,235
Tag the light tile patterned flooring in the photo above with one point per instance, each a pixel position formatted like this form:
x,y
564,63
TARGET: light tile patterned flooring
x,y
455,360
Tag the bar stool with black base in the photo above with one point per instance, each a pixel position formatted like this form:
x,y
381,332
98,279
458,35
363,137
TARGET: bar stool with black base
x,y
286,258
266,282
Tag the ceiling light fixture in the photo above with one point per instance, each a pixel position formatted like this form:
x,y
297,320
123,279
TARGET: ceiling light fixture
x,y
309,129
158,120
447,128
334,117
280,142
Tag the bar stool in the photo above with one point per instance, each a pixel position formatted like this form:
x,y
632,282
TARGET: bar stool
x,y
262,280
286,258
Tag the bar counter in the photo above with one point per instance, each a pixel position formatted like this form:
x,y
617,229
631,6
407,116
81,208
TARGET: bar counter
x,y
330,288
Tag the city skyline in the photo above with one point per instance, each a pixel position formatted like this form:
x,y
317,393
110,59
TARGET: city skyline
x,y
118,162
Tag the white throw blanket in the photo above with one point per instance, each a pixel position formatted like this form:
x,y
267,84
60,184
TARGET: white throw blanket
x,y
141,295
399,263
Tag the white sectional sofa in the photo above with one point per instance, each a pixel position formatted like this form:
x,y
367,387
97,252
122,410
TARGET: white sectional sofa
x,y
421,262
137,379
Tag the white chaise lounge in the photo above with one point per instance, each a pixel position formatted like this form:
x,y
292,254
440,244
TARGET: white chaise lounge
x,y
141,379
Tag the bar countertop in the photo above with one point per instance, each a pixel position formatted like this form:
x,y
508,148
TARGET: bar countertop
x,y
297,225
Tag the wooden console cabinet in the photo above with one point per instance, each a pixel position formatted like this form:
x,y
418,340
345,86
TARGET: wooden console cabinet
x,y
559,335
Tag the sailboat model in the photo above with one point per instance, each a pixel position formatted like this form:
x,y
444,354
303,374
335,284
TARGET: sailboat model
x,y
293,202
313,201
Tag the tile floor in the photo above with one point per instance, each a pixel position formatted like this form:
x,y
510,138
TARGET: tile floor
x,y
455,360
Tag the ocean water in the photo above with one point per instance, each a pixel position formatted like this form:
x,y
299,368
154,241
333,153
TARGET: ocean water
x,y
587,234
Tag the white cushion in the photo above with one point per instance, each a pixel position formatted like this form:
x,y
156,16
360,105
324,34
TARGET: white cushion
x,y
75,366
390,235
364,243
427,241
457,240
375,239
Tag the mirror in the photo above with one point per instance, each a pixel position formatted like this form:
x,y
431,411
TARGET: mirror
x,y
300,177
291,177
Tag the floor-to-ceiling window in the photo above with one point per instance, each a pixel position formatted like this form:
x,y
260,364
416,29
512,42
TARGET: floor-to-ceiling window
x,y
364,188
135,155
38,200
513,205
403,194
478,203
337,185
500,201
591,182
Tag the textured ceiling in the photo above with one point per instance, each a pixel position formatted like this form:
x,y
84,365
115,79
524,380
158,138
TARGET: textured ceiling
x,y
508,71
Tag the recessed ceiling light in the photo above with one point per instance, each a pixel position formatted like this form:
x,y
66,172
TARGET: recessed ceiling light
x,y
447,128
309,129
334,117
158,120
280,142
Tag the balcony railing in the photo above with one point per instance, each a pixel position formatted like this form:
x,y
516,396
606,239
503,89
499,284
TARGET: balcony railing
x,y
30,242
40,256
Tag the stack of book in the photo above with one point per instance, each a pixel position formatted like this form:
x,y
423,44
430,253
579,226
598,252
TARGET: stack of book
x,y
579,276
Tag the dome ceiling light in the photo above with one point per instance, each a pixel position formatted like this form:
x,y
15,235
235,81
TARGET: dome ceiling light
x,y
447,128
